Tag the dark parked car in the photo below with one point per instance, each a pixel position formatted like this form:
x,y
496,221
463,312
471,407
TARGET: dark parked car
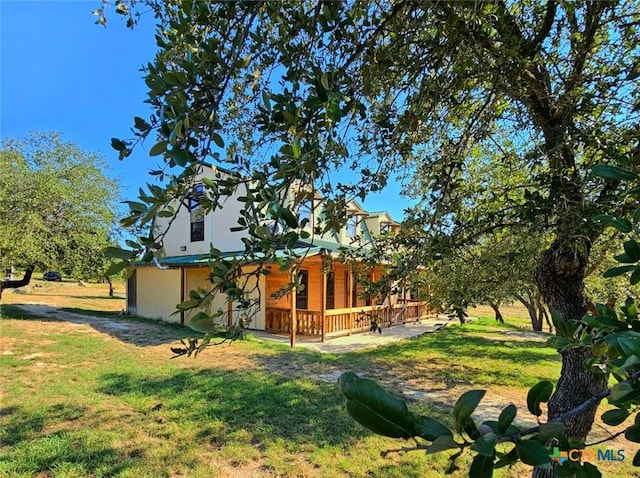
x,y
52,275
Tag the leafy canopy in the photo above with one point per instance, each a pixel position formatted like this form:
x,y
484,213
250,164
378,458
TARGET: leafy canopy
x,y
57,204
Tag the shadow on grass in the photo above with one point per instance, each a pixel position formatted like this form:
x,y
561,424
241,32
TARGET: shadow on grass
x,y
134,330
450,357
97,297
27,449
93,312
224,403
456,355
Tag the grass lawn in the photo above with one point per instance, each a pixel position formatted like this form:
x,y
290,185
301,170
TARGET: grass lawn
x,y
79,400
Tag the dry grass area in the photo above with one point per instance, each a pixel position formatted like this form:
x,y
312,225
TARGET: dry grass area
x,y
509,311
73,294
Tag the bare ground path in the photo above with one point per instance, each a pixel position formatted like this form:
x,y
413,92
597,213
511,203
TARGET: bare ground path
x,y
140,333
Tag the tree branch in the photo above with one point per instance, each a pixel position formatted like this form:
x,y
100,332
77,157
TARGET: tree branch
x,y
14,284
532,48
574,411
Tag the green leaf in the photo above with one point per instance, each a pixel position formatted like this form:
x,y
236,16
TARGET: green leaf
x,y
481,467
633,433
429,429
465,405
201,322
635,277
632,249
119,253
613,172
636,459
116,267
442,443
539,393
158,148
621,225
217,139
180,156
629,345
374,408
188,304
289,218
588,471
615,417
266,100
507,458
619,390
550,430
532,452
118,145
165,213
486,444
506,418
324,80
625,258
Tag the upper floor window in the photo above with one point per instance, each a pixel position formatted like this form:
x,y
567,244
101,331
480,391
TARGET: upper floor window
x,y
385,227
196,211
352,227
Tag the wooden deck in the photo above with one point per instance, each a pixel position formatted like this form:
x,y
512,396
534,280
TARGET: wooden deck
x,y
338,322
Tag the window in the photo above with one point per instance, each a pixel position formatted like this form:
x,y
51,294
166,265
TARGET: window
x,y
302,297
385,227
197,213
347,289
331,291
354,293
352,227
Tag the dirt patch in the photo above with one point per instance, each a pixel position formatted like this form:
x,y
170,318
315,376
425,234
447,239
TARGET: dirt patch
x,y
136,332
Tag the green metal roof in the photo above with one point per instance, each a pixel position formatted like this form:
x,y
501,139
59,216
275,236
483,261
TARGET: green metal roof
x,y
302,248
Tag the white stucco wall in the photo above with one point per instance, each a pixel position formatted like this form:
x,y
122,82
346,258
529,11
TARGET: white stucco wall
x,y
158,293
217,226
198,277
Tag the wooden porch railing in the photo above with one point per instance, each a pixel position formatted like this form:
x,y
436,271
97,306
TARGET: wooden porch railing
x,y
278,320
341,321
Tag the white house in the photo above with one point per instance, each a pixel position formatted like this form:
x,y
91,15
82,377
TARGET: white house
x,y
330,302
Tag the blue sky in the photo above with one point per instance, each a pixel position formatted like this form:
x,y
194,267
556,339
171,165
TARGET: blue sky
x,y
61,72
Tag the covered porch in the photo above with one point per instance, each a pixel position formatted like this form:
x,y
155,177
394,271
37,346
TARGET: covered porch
x,y
331,303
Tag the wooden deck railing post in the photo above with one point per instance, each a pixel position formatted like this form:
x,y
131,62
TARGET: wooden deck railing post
x,y
323,305
294,318
350,299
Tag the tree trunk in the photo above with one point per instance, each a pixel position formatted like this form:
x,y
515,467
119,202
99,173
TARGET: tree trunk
x,y
496,309
110,286
542,312
536,321
560,281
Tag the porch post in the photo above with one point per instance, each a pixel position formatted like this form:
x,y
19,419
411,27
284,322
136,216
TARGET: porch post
x,y
323,303
229,313
350,298
294,318
182,293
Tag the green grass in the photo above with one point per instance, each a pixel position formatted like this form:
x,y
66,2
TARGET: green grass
x,y
79,403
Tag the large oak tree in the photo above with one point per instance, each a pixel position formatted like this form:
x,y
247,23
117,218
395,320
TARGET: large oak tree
x,y
57,206
532,93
